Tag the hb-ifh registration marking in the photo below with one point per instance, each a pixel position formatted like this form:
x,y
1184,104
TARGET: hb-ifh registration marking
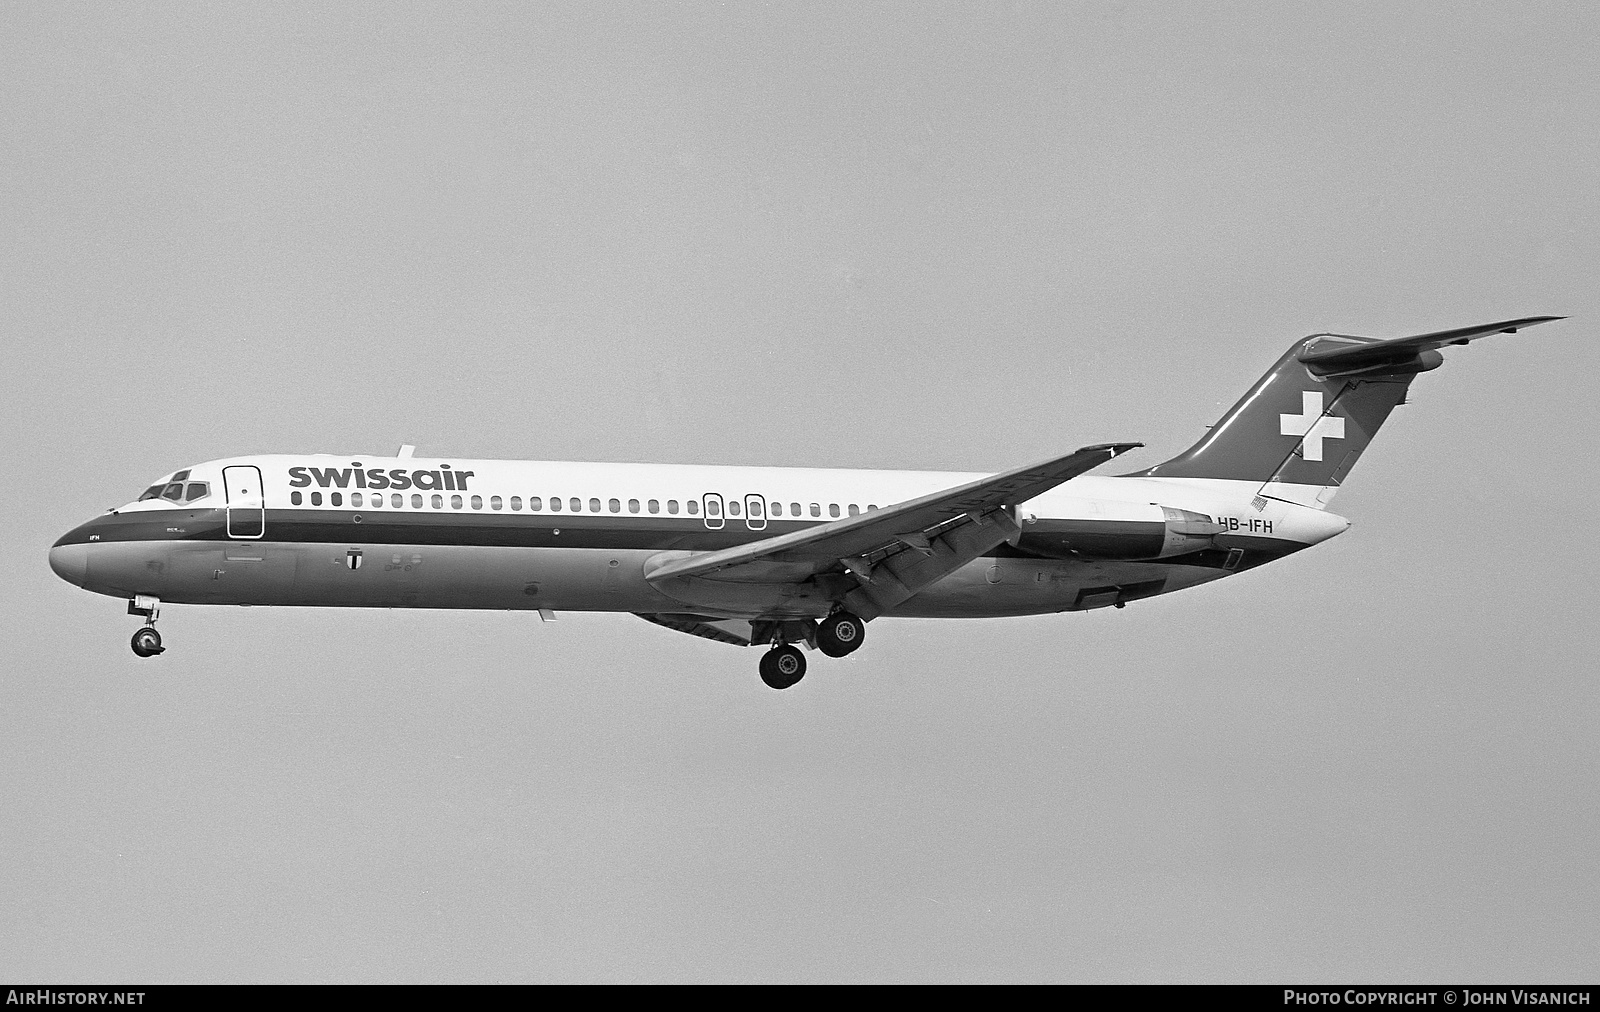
x,y
1312,424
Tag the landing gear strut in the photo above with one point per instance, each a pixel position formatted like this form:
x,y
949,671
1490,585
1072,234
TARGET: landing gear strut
x,y
783,666
840,633
146,642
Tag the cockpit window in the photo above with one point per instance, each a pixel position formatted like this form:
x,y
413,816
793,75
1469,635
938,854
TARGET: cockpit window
x,y
176,490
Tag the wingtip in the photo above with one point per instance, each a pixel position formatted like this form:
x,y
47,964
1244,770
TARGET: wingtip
x,y
1113,449
1512,326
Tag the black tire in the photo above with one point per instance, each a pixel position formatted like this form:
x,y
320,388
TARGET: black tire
x,y
781,667
147,642
840,633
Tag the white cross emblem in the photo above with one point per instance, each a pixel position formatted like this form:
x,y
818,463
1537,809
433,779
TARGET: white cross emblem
x,y
1312,424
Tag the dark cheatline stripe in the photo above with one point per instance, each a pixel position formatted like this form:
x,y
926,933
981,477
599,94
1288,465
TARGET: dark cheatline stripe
x,y
443,528
528,531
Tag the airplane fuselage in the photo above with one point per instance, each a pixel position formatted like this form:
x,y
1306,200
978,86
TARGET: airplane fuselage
x,y
359,531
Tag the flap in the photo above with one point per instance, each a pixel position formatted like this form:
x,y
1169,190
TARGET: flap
x,y
723,630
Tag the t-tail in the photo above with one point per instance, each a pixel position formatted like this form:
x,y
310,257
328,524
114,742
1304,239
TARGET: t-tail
x,y
1304,424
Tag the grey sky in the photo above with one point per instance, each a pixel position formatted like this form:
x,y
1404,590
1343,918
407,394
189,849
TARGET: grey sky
x,y
876,237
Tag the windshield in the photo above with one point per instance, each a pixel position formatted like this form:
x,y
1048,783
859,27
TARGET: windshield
x,y
177,489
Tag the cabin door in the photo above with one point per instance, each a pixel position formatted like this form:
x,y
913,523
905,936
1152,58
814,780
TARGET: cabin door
x,y
247,508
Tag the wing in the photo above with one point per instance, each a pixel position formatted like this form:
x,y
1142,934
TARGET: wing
x,y
1341,353
940,532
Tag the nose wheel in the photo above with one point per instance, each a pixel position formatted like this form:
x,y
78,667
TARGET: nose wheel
x,y
146,642
783,666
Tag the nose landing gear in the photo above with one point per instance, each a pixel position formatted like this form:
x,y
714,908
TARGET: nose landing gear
x,y
146,642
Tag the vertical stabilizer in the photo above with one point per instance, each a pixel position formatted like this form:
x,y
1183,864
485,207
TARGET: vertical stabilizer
x,y
1302,426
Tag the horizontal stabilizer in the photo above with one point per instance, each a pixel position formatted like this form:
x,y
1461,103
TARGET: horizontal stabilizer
x,y
1339,353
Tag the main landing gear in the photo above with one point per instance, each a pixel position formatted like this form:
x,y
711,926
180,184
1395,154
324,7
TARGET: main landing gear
x,y
146,642
839,634
782,666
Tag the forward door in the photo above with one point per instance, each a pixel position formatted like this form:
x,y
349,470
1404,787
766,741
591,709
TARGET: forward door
x,y
247,508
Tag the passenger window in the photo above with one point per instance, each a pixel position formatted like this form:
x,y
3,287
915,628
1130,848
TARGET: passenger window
x,y
577,505
654,505
777,509
816,510
455,502
316,498
516,502
733,508
794,509
197,490
494,502
694,507
614,506
397,500
294,498
833,509
855,510
174,492
672,505
755,509
438,502
555,504
594,505
477,502
633,505
713,508
336,499
355,498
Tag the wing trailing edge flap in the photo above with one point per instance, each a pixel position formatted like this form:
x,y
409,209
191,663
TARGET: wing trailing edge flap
x,y
893,552
898,576
723,630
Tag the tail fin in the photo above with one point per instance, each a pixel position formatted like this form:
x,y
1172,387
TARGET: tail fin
x,y
1302,426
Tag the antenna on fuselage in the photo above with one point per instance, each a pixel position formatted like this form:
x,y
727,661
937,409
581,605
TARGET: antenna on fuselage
x,y
406,450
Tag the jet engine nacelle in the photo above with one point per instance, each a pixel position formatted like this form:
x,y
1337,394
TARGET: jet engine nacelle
x,y
1148,532
1186,531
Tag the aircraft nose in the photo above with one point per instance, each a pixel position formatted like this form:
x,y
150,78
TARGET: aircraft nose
x,y
71,562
